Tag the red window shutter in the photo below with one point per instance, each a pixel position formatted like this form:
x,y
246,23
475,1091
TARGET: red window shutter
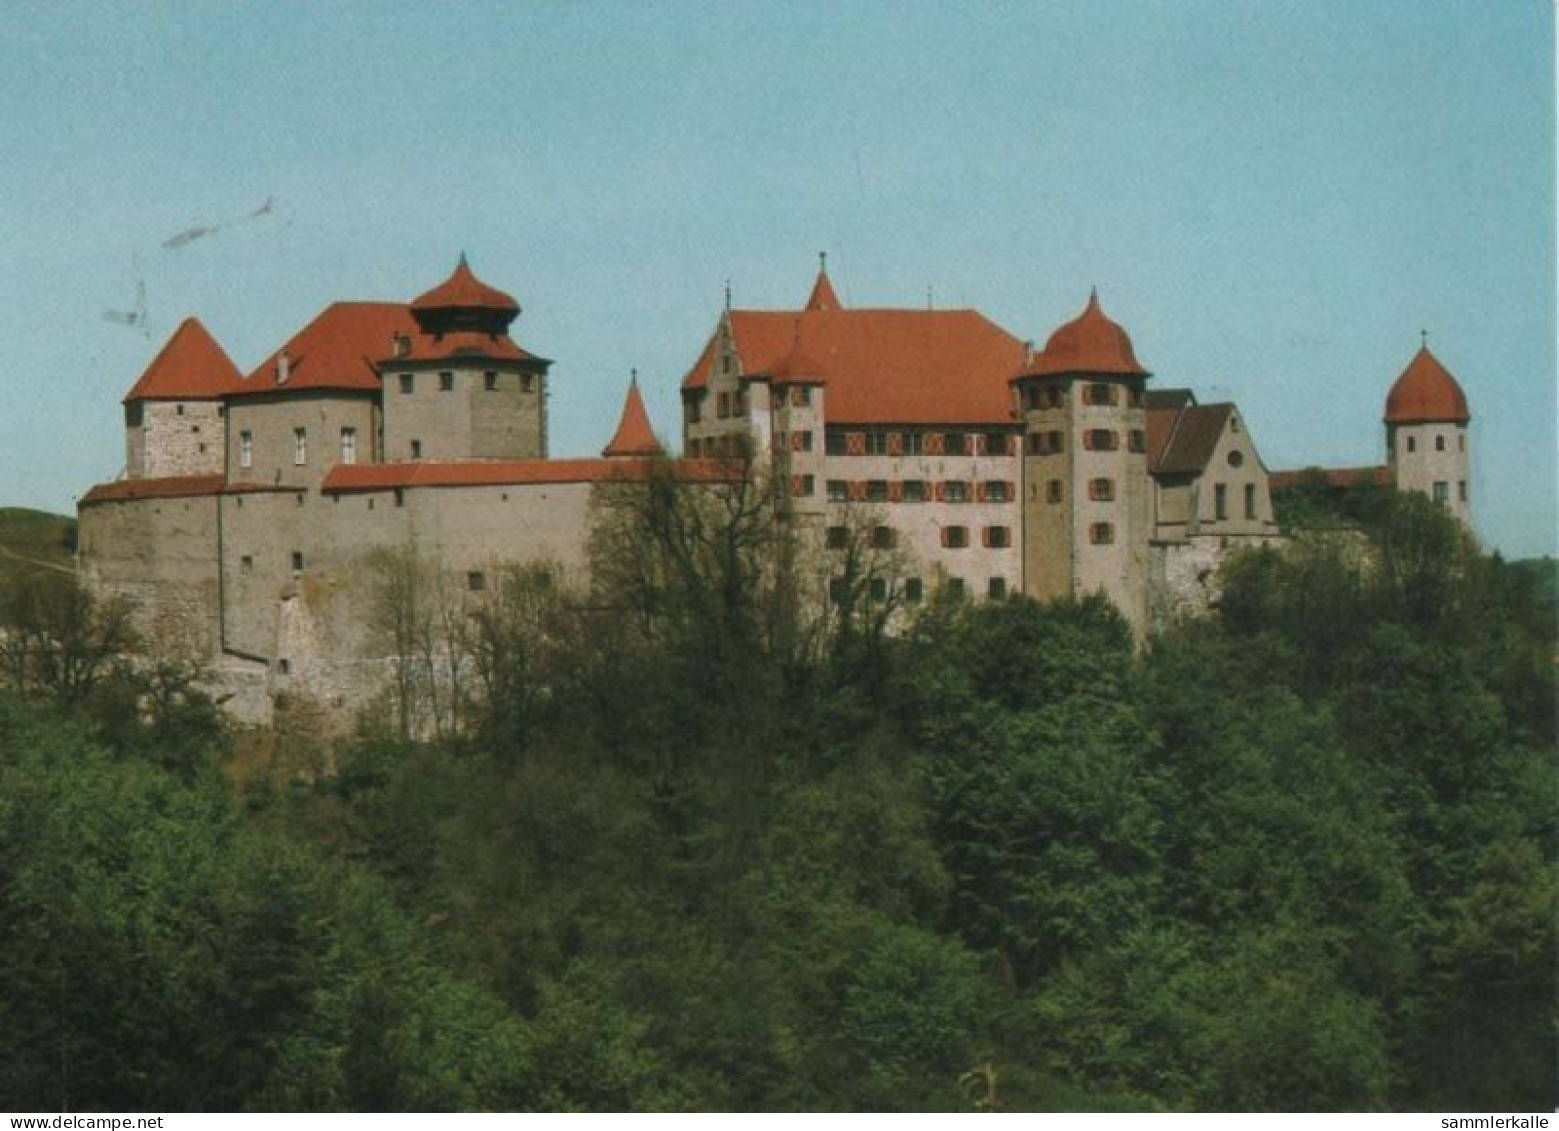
x,y
896,491
855,443
935,445
979,491
946,541
985,537
895,443
795,441
777,442
1012,491
858,490
939,491
797,485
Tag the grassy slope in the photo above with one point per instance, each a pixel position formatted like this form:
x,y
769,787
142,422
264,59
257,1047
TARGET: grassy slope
x,y
32,541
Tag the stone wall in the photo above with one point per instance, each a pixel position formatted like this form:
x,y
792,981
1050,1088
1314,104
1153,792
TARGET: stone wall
x,y
167,438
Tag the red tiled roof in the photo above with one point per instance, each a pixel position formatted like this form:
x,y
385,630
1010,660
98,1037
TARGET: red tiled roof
x,y
1426,393
191,366
822,296
883,366
464,290
463,344
520,472
337,350
172,487
634,436
1332,477
1191,441
1089,343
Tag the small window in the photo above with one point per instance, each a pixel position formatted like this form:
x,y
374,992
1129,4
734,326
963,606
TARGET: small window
x,y
955,537
1101,534
838,490
1234,423
1137,440
1220,501
997,491
694,407
1134,396
804,485
408,383
300,446
876,443
801,396
996,589
1461,490
1099,393
883,538
490,381
1461,443
955,444
877,491
838,537
194,428
1100,440
1250,500
201,448
1236,459
723,406
221,411
1442,491
1053,491
284,667
838,590
1412,444
803,441
476,580
179,409
246,565
877,588
996,444
527,382
955,491
914,490
1046,443
955,586
1439,443
998,537
416,449
297,561
1101,490
835,444
913,444
400,497
446,382
914,590
349,445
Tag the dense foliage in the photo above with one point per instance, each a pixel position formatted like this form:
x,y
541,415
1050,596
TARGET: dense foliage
x,y
671,844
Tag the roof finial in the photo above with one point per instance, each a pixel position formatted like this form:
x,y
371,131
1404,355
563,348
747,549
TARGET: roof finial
x,y
728,296
930,299
463,262
1423,338
822,261
633,375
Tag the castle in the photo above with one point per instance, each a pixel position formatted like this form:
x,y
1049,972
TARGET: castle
x,y
250,504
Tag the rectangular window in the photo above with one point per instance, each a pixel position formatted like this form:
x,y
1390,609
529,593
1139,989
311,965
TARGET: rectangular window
x,y
1101,490
300,446
1099,393
914,590
1250,500
955,586
1046,443
955,491
834,443
416,449
297,561
955,537
527,382
694,407
246,565
914,490
245,449
914,443
400,497
803,441
883,538
876,443
349,445
998,537
877,588
801,396
1442,491
877,491
838,491
998,491
1101,440
408,382
996,590
1461,489
955,443
446,382
1053,491
1101,534
1138,440
476,581
490,381
802,486
1220,502
723,405
996,444
838,537
1134,396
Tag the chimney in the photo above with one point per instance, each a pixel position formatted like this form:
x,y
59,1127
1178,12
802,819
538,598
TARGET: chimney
x,y
283,367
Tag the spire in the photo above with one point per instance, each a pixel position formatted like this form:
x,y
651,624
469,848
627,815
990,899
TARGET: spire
x,y
823,296
634,436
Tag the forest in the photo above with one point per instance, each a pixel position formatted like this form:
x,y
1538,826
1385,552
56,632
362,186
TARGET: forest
x,y
693,839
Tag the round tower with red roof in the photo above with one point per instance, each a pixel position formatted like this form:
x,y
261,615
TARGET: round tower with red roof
x,y
1086,492
1426,434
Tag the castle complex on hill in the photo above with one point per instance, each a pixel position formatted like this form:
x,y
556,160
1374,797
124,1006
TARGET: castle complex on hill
x,y
250,505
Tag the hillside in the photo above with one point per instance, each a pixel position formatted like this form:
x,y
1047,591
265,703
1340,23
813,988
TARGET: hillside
x,y
31,541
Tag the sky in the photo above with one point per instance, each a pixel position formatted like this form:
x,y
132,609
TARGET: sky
x,y
1274,198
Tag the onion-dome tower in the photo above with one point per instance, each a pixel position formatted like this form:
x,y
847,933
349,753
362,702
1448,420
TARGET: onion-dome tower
x,y
1426,434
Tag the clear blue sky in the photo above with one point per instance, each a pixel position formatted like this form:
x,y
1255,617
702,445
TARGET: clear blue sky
x,y
1273,198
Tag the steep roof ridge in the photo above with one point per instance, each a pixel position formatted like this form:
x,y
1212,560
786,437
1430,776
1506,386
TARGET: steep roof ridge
x,y
192,365
634,436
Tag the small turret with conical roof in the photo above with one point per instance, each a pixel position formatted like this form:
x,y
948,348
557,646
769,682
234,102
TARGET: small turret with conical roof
x,y
823,296
174,422
634,436
1426,422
